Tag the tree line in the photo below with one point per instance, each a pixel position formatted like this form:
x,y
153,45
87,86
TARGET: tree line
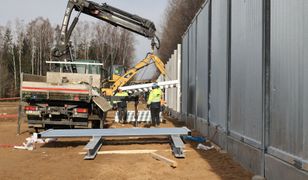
x,y
25,47
178,17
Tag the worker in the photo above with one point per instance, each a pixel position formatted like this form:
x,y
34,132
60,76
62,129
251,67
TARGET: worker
x,y
154,102
122,106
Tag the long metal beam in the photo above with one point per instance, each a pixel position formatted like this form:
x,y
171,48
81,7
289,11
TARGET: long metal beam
x,y
147,87
93,147
177,146
75,63
121,132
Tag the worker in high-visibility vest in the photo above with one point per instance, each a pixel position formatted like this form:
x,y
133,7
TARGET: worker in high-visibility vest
x,y
154,103
122,106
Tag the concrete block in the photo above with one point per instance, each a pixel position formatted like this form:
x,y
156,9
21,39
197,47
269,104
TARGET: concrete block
x,y
191,122
278,169
202,126
183,117
258,177
248,156
176,115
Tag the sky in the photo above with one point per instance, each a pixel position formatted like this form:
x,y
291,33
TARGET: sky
x,y
28,10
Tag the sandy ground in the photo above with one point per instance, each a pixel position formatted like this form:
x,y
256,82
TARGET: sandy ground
x,y
61,159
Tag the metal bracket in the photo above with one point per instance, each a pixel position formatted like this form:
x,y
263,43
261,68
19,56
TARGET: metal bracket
x,y
93,147
298,164
177,146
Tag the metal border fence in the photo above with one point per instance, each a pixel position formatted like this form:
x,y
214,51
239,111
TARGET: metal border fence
x,y
244,82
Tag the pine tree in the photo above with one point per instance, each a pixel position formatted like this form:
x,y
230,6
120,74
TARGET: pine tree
x,y
1,61
8,64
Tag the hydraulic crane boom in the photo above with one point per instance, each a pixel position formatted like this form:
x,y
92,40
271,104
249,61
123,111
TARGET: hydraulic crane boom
x,y
103,12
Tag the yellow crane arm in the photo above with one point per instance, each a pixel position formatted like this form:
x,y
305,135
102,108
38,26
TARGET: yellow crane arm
x,y
150,58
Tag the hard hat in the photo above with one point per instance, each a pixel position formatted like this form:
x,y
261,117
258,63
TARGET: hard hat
x,y
155,85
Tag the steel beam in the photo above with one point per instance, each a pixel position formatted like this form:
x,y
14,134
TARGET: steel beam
x,y
121,132
93,147
75,63
177,146
147,87
97,135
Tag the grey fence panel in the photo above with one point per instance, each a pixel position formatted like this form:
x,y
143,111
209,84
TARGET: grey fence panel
x,y
173,70
218,92
202,63
192,70
179,76
289,77
184,74
246,70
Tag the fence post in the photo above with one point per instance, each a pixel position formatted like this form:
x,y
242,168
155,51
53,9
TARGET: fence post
x,y
266,13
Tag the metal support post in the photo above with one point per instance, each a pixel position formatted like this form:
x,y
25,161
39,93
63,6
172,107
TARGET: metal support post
x,y
136,112
93,147
177,146
266,80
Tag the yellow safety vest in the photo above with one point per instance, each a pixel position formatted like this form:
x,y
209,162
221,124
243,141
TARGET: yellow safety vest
x,y
120,94
155,96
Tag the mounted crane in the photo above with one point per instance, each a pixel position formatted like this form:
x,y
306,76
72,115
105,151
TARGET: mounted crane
x,y
63,49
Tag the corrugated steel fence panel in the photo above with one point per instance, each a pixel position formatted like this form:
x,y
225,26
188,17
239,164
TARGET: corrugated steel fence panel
x,y
202,63
289,77
218,92
286,129
305,80
174,77
172,69
184,74
168,98
179,72
192,70
167,91
246,70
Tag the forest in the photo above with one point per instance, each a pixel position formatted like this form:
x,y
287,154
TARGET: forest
x,y
178,17
26,47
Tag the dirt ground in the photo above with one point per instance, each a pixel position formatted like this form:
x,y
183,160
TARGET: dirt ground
x,y
61,159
